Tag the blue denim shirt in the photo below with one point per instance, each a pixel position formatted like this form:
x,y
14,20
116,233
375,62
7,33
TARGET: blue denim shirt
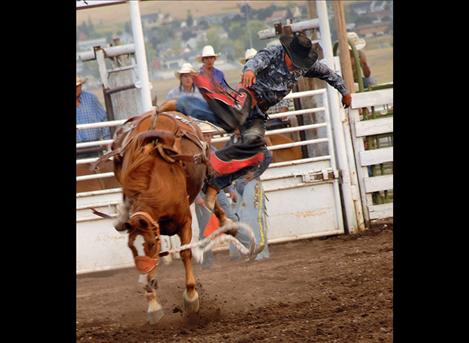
x,y
175,93
274,81
91,111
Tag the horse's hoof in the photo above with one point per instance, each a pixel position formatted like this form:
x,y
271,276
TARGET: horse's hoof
x,y
155,312
191,305
155,316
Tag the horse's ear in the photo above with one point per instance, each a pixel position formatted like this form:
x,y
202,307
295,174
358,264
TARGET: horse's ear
x,y
142,223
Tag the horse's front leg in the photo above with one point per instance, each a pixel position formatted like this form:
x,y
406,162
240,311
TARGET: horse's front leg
x,y
191,297
155,310
147,265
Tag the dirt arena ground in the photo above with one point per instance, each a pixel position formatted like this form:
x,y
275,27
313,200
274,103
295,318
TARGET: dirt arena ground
x,y
336,289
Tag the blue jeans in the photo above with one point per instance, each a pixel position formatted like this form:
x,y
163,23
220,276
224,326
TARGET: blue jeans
x,y
196,108
226,180
252,135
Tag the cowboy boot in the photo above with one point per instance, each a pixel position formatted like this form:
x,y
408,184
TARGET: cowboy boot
x,y
167,106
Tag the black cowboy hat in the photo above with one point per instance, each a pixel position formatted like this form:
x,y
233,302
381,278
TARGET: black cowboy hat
x,y
300,50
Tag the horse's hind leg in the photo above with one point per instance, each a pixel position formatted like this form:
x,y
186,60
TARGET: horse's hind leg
x,y
191,297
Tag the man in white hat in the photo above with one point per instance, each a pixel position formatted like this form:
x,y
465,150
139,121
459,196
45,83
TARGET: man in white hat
x,y
250,53
359,44
208,69
89,110
186,84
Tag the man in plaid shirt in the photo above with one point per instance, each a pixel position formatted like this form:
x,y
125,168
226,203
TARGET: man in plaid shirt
x,y
89,110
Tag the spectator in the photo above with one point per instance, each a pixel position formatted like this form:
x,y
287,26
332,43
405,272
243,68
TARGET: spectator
x,y
250,53
359,44
186,84
208,69
89,110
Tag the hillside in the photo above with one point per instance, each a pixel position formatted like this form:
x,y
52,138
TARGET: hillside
x,y
177,9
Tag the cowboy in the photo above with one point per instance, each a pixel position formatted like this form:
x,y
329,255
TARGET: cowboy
x,y
208,69
282,106
186,84
267,78
89,110
359,44
250,53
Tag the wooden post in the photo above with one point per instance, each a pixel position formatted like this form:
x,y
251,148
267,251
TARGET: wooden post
x,y
305,84
345,62
312,9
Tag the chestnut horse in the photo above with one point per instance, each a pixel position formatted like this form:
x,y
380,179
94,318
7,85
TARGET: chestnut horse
x,y
285,154
160,162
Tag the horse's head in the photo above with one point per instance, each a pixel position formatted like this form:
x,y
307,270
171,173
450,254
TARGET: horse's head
x,y
141,223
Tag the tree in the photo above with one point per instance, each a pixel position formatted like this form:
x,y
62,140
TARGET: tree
x,y
213,38
189,19
239,35
265,12
236,30
188,34
245,9
154,41
254,27
203,24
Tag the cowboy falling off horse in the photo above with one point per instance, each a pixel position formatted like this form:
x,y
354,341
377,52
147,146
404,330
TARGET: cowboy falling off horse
x,y
162,160
267,78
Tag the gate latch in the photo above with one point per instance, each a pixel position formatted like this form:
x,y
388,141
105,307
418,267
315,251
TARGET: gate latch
x,y
316,176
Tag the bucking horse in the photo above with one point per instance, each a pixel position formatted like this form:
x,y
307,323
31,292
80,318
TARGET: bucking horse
x,y
161,162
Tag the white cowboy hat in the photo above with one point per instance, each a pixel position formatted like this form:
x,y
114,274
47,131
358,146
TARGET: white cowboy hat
x,y
80,81
250,53
359,43
186,68
207,51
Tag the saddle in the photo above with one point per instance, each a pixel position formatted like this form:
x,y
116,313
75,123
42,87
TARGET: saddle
x,y
166,131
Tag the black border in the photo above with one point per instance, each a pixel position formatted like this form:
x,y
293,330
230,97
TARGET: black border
x,y
39,169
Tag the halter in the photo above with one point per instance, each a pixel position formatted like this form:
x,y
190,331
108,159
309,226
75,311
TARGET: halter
x,y
147,216
145,264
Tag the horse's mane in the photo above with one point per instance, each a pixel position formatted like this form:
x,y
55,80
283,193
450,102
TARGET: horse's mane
x,y
137,171
137,166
